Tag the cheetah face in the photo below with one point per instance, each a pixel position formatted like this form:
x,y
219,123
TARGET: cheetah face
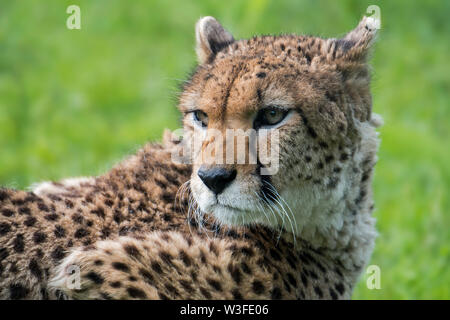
x,y
299,97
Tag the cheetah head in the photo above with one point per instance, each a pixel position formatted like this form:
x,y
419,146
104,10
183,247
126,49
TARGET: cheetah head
x,y
307,99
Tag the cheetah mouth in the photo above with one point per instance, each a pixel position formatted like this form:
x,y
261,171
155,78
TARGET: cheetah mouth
x,y
226,206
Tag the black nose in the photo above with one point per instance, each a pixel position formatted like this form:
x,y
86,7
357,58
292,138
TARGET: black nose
x,y
216,179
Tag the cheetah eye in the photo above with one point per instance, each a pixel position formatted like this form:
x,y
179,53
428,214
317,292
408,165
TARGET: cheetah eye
x,y
270,116
201,118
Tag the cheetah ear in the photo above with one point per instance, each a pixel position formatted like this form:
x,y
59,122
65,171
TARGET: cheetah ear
x,y
211,38
356,44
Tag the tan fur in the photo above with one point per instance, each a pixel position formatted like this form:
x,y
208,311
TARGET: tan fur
x,y
130,232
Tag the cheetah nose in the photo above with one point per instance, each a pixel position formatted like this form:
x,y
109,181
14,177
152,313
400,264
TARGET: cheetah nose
x,y
217,178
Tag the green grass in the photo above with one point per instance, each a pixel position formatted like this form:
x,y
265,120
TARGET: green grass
x,y
73,102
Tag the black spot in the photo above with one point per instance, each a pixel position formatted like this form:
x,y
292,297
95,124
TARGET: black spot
x,y
215,284
7,212
365,176
43,207
318,291
291,260
282,46
3,195
344,157
245,268
19,244
308,58
39,237
333,294
323,145
340,288
338,271
205,293
329,158
131,250
156,267
30,222
330,96
320,266
162,296
258,287
105,232
69,204
261,75
236,294
275,255
185,258
18,202
171,289
4,228
13,268
58,253
116,284
35,269
308,159
246,251
95,277
60,232
136,293
304,279
276,294
52,217
187,286
292,280
310,130
166,257
99,212
60,295
17,291
44,294
98,262
202,257
120,266
77,218
3,254
235,273
80,233
39,253
147,276
106,296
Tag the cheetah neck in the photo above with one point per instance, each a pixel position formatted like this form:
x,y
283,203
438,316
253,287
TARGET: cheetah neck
x,y
339,222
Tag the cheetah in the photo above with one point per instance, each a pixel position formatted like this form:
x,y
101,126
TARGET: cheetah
x,y
155,228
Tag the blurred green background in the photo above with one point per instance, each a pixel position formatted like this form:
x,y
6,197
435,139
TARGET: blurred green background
x,y
74,102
